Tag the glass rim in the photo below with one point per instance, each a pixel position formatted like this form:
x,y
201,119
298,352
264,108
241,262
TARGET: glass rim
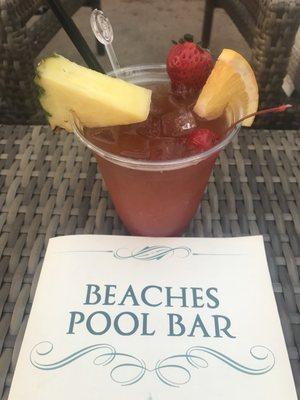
x,y
149,164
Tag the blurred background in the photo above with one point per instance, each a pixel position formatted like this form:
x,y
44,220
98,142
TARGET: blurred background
x,y
143,30
264,31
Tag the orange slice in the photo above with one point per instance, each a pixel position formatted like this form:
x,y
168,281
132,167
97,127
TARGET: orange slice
x,y
232,87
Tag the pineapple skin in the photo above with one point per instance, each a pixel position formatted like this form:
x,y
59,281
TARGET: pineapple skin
x,y
97,100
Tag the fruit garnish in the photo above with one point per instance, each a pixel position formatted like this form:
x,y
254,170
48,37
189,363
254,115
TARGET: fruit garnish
x,y
188,66
95,98
203,139
232,86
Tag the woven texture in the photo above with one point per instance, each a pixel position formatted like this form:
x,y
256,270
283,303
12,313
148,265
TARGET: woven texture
x,y
20,43
269,27
49,185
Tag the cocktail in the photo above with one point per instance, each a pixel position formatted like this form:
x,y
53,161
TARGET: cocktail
x,y
155,176
155,155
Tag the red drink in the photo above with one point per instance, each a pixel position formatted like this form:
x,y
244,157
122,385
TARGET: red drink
x,y
155,178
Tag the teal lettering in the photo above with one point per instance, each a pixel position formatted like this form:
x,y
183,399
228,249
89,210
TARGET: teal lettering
x,y
198,323
108,294
213,298
145,326
107,323
134,319
175,319
92,290
218,329
76,318
181,296
131,295
144,295
197,296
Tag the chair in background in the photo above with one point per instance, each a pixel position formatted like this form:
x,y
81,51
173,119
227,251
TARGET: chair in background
x,y
269,27
26,26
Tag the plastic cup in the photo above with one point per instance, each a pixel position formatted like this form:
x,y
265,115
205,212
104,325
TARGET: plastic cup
x,y
154,198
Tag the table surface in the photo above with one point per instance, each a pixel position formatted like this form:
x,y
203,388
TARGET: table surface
x,y
49,185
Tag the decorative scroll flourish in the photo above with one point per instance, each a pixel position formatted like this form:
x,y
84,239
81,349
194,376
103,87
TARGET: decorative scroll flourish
x,y
172,371
149,253
153,252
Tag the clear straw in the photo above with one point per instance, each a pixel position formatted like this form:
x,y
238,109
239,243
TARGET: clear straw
x,y
104,34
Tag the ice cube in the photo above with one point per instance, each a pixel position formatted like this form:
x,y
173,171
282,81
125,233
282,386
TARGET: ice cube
x,y
159,101
151,127
107,135
134,146
178,123
167,148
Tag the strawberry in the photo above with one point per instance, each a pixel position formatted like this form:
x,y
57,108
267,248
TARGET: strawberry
x,y
188,66
203,139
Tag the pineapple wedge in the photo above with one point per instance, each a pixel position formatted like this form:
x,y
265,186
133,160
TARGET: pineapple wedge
x,y
96,99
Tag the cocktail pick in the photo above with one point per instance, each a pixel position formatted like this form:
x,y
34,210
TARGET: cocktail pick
x,y
104,34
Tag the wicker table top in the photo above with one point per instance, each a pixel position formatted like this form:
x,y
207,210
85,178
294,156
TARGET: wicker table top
x,y
49,185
